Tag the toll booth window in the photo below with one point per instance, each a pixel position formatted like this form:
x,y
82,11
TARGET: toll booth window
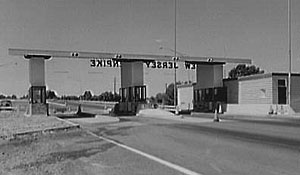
x,y
138,93
216,91
37,94
123,94
43,95
143,93
199,93
130,94
206,95
216,95
220,94
206,91
203,94
133,94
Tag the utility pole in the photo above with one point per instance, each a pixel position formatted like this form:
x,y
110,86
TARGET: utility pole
x,y
175,53
290,51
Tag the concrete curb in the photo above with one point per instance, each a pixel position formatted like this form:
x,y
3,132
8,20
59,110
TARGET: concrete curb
x,y
245,117
128,118
173,117
102,119
42,131
68,122
179,117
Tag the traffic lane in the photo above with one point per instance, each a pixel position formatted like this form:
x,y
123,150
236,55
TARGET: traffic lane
x,y
268,130
261,127
202,152
73,152
119,161
282,135
291,122
272,120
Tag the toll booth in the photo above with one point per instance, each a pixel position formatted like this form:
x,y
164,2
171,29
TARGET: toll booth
x,y
37,90
37,100
209,89
205,100
132,91
132,99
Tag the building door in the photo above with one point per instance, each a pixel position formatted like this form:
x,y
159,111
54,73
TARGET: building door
x,y
281,92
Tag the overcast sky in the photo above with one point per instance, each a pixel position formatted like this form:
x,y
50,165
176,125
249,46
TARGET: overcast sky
x,y
255,29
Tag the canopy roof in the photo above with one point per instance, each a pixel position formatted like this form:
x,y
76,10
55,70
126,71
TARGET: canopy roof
x,y
28,53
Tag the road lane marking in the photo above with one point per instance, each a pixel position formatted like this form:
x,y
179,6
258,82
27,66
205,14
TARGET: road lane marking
x,y
156,159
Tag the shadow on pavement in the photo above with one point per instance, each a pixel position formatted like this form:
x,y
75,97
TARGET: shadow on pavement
x,y
76,115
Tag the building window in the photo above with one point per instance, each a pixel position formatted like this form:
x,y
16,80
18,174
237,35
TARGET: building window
x,y
281,83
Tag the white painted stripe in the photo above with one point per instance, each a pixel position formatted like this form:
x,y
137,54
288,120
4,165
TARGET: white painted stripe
x,y
156,159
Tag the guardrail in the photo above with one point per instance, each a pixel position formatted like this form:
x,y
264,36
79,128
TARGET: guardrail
x,y
8,108
82,102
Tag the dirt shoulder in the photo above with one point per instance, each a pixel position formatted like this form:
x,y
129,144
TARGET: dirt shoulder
x,y
14,125
45,145
64,152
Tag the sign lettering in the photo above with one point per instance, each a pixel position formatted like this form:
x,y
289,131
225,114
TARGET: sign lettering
x,y
104,63
190,65
149,64
161,64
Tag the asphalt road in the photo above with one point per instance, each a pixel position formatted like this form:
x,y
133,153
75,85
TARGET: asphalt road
x,y
229,147
143,145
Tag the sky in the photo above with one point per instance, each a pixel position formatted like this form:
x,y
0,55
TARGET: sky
x,y
255,29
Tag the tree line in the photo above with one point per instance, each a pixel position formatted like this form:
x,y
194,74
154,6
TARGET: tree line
x,y
87,95
2,96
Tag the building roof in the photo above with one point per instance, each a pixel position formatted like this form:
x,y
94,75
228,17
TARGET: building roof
x,y
260,76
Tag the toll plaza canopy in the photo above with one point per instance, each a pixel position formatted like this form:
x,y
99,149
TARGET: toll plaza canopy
x,y
209,72
124,56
